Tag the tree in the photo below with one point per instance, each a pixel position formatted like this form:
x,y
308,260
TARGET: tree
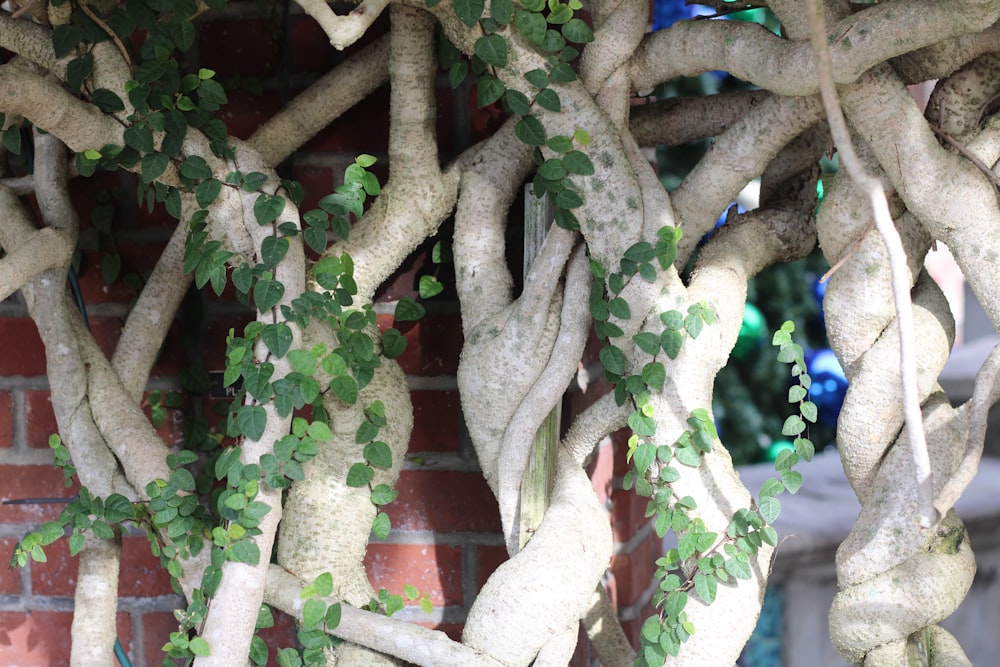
x,y
104,80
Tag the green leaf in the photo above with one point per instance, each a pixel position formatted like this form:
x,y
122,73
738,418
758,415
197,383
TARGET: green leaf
x,y
207,192
654,375
793,425
79,69
111,267
381,525
244,551
531,132
408,310
383,494
769,508
619,308
531,25
771,487
199,646
804,448
76,542
693,324
254,181
689,456
267,208
195,167
560,14
517,102
492,49
153,166
258,651
647,342
319,431
469,11
65,37
273,250
107,101
332,617
577,31
345,388
393,343
796,393
12,139
568,199
378,454
429,286
313,612
792,480
644,426
267,294
808,410
489,89
538,78
548,99
117,508
359,475
613,360
251,420
457,74
671,341
277,338
577,162
769,535
562,73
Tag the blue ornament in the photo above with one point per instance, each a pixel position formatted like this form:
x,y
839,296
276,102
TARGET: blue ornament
x,y
829,384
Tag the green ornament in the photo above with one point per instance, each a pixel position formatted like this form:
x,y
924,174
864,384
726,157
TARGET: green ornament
x,y
776,448
752,333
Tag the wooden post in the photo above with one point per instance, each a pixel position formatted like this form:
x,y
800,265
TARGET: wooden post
x,y
536,485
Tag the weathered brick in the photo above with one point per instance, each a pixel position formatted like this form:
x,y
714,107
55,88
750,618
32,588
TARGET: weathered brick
x,y
32,481
6,419
601,471
141,574
490,558
436,419
39,419
361,129
444,501
433,568
10,579
244,47
634,571
23,352
35,639
432,344
247,111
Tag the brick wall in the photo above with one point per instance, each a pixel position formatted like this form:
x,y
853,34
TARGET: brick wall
x,y
446,535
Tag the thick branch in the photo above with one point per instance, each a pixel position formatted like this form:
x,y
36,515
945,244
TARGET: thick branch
x,y
752,53
413,643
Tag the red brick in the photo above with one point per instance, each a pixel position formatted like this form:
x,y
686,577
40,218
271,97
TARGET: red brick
x,y
35,639
490,558
39,419
10,579
436,420
57,576
634,571
362,129
601,471
628,514
32,481
23,352
247,111
237,46
106,331
432,344
317,182
453,630
309,47
6,420
444,501
432,568
141,574
281,635
156,629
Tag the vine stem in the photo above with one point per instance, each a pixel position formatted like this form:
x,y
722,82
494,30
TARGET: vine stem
x,y
872,186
